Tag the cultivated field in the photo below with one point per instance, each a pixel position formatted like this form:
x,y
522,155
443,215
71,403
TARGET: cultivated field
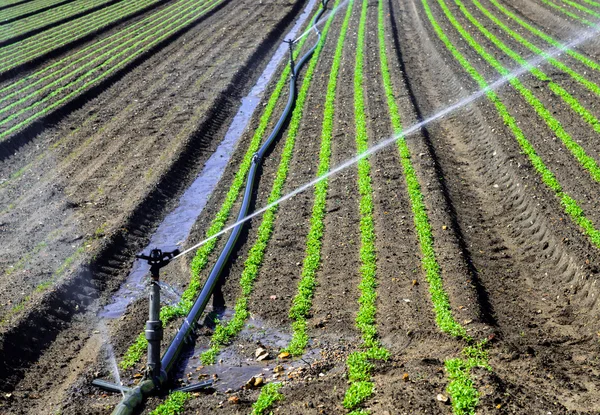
x,y
454,271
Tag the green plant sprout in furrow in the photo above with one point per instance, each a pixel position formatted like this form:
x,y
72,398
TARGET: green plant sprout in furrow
x,y
24,51
22,26
581,7
224,332
116,42
359,363
200,260
566,12
461,388
570,205
269,394
173,405
136,47
550,40
578,152
151,31
555,62
302,302
464,395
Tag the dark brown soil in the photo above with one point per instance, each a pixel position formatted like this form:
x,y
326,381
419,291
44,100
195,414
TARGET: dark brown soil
x,y
517,269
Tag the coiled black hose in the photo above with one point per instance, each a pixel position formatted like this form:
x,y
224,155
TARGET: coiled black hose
x,y
134,398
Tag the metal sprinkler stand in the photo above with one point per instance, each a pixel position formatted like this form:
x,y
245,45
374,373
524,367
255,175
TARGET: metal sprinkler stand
x,y
154,330
290,43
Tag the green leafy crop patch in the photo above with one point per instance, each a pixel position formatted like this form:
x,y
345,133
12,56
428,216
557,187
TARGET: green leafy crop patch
x,y
173,405
358,363
269,394
302,302
464,394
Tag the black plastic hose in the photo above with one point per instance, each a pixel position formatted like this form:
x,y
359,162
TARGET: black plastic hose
x,y
134,398
170,356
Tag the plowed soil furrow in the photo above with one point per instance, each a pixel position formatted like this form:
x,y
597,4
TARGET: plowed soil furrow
x,y
94,185
334,303
199,130
529,302
544,140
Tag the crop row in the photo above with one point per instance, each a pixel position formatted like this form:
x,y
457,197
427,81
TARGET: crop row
x,y
359,366
302,302
549,39
27,9
566,12
28,24
136,47
224,332
570,205
582,157
200,260
20,53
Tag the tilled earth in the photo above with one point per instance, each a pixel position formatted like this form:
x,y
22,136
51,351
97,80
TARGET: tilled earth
x,y
516,268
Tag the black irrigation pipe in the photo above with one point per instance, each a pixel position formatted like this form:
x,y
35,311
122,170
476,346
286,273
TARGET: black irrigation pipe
x,y
135,397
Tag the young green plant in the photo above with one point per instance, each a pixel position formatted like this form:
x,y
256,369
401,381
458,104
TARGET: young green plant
x,y
302,302
359,363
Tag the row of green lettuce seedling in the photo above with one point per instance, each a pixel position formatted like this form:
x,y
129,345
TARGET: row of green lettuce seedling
x,y
359,363
100,62
19,53
101,72
28,24
582,157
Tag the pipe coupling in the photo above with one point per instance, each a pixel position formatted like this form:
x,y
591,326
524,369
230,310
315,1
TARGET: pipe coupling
x,y
154,330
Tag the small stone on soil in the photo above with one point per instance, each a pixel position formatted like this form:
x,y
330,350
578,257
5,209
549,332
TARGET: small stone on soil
x,y
442,398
